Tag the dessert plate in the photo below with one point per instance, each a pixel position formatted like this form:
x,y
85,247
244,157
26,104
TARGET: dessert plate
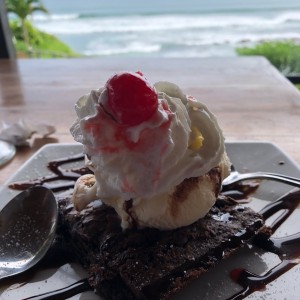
x,y
216,284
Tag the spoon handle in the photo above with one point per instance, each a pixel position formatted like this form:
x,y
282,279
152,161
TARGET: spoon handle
x,y
271,176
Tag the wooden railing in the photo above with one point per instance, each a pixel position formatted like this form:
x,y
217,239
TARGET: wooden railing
x,y
294,78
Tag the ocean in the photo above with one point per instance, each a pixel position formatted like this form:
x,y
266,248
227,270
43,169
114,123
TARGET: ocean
x,y
168,28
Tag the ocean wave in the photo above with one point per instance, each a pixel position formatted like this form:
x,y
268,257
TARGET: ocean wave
x,y
73,24
237,39
221,12
190,45
95,48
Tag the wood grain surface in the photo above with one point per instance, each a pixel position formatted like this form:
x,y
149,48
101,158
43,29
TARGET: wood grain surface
x,y
250,98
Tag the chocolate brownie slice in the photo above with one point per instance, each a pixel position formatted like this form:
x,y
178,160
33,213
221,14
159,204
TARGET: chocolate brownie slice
x,y
149,263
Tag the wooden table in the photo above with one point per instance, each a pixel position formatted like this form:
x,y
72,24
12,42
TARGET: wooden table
x,y
250,98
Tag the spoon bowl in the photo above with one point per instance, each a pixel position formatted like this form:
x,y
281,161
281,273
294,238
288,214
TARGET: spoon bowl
x,y
27,229
7,152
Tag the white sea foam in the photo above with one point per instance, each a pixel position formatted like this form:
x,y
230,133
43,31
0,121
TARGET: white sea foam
x,y
134,47
54,17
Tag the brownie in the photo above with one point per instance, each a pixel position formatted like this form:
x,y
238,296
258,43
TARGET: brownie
x,y
149,263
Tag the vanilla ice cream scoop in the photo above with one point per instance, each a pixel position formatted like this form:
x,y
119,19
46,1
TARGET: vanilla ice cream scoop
x,y
143,142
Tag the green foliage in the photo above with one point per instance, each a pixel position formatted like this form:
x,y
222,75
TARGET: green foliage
x,y
284,55
29,41
24,8
42,44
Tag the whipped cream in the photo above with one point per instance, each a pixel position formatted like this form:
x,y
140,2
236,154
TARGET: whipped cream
x,y
146,163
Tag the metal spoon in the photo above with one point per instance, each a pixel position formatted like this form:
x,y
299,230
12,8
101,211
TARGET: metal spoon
x,y
27,229
7,152
236,177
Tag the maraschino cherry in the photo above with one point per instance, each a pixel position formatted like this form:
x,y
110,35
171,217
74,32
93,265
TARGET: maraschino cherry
x,y
131,99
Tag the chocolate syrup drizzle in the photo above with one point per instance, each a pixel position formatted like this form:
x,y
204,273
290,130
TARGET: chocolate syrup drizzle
x,y
64,293
287,248
69,176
